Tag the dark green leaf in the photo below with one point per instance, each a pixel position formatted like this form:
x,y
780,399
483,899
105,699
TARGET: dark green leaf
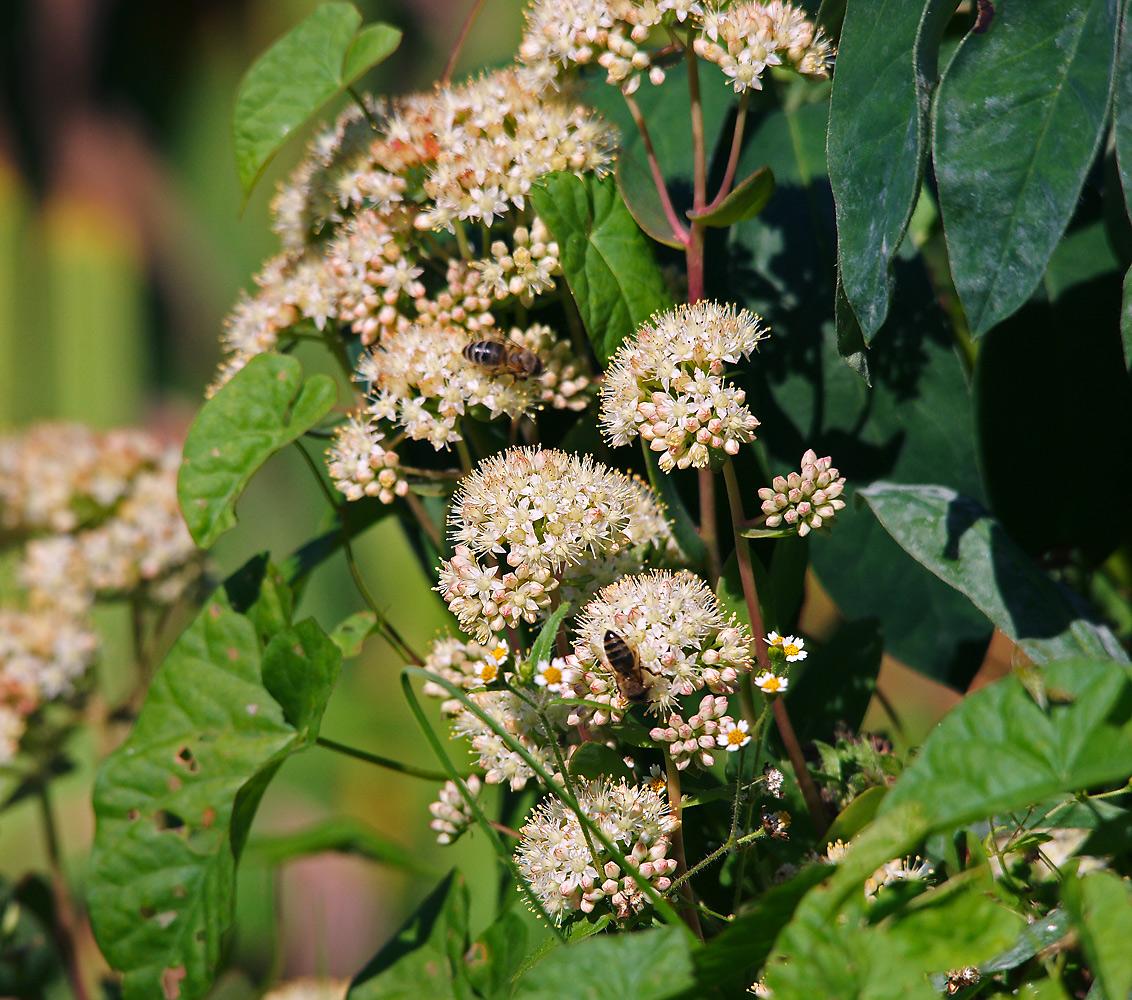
x,y
360,515
605,258
425,957
296,76
542,647
300,669
1126,321
649,965
850,338
965,547
174,802
264,407
878,140
856,816
1122,105
496,956
592,760
1034,938
837,682
1018,119
1101,909
745,201
342,835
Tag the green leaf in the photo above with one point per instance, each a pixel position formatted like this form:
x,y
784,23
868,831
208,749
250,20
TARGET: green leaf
x,y
264,407
351,633
174,802
856,816
1122,105
965,547
745,201
998,750
1018,118
605,258
684,529
425,957
342,835
1126,321
593,760
303,70
1034,938
1101,909
837,682
300,669
543,645
878,140
496,956
649,965
850,338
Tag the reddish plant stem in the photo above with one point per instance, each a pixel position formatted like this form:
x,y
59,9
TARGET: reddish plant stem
x,y
675,801
66,920
694,252
781,718
678,230
733,158
449,66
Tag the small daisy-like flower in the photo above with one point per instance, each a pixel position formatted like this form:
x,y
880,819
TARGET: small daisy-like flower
x,y
451,814
674,624
666,384
555,675
657,780
806,501
733,735
555,859
487,670
897,870
789,647
769,683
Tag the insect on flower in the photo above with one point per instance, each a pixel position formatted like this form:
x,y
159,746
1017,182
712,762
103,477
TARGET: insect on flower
x,y
625,666
499,358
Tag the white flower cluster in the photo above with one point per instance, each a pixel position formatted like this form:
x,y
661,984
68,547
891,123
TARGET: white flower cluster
x,y
43,653
545,519
361,466
666,384
677,631
743,39
897,870
520,721
565,876
806,501
351,216
451,813
466,665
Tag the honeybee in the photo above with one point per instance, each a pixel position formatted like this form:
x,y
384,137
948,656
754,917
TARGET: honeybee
x,y
499,357
625,666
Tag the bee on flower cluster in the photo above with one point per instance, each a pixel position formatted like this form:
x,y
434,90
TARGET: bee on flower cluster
x,y
497,357
625,666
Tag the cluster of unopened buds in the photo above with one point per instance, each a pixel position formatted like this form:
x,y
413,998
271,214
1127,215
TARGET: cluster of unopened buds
x,y
692,741
451,813
807,500
360,466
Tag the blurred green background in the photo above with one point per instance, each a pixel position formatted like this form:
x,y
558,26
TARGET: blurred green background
x,y
121,249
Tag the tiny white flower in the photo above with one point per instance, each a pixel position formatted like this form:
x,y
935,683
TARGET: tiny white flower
x,y
733,735
769,683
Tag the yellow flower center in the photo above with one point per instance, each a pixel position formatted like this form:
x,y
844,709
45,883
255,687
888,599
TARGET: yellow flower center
x,y
736,737
771,685
552,674
490,672
791,650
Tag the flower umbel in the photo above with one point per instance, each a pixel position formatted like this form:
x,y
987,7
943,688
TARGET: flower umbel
x,y
666,384
805,501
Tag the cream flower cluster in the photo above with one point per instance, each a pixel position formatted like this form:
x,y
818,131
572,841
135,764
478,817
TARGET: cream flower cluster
x,y
451,815
360,466
666,384
680,636
351,217
541,518
43,653
499,761
743,39
806,501
692,741
555,859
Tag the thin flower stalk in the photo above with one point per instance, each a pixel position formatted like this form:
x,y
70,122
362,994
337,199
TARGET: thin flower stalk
x,y
676,801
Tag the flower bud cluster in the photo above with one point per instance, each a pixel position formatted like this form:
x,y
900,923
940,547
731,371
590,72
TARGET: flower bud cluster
x,y
544,518
746,38
743,39
361,466
524,270
805,501
466,665
666,384
451,814
693,741
678,634
565,876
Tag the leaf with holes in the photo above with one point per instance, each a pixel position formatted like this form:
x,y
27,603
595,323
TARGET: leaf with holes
x,y
265,406
605,257
174,802
1019,114
303,70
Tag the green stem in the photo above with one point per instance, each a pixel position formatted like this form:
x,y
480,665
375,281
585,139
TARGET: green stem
x,y
781,717
333,341
386,762
715,855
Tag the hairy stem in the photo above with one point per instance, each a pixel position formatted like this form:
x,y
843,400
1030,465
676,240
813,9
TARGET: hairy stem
x,y
751,594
